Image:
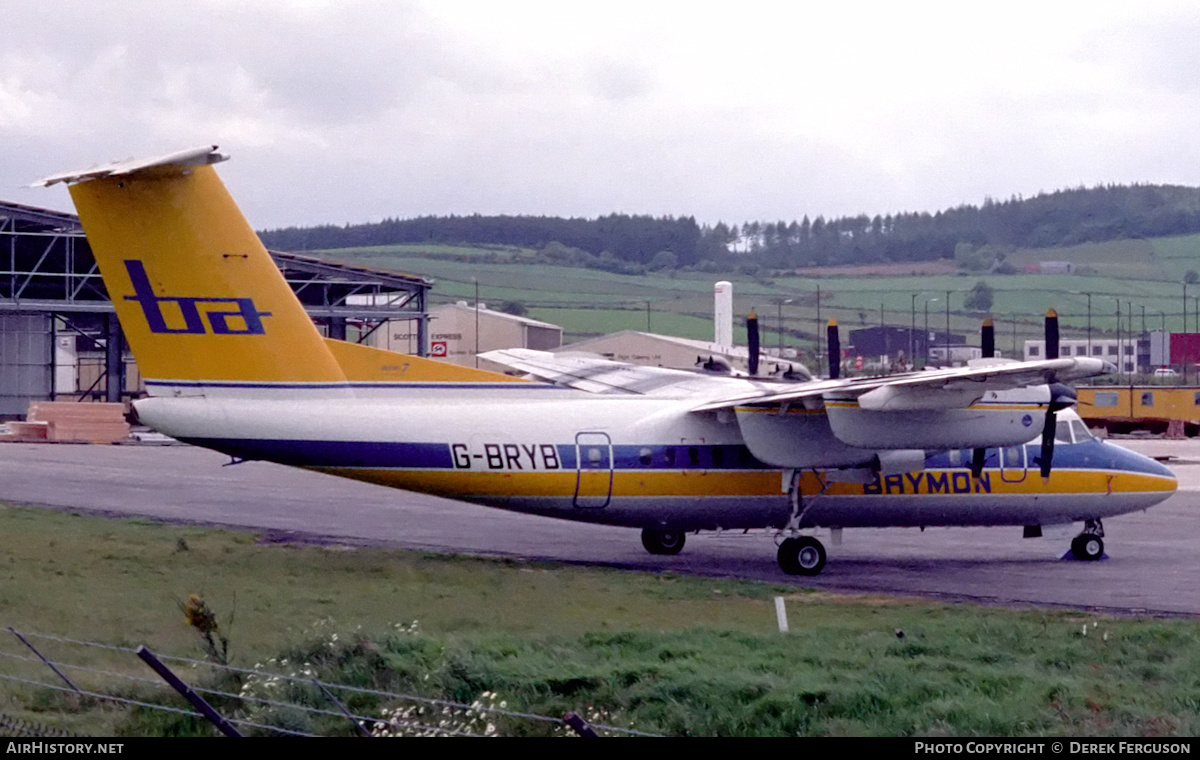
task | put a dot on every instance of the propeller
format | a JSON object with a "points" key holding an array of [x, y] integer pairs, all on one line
{"points": [[835, 350], [1051, 334], [988, 342], [1061, 397], [752, 342]]}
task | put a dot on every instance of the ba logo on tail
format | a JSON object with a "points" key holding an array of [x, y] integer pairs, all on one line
{"points": [[193, 319]]}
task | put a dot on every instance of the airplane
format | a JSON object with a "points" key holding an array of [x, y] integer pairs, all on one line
{"points": [[233, 363]]}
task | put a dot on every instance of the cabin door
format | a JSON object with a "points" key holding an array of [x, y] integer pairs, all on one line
{"points": [[594, 473]]}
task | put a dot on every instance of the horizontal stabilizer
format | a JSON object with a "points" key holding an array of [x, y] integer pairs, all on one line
{"points": [[183, 159]]}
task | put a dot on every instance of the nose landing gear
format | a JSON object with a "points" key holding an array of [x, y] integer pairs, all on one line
{"points": [[1089, 545]]}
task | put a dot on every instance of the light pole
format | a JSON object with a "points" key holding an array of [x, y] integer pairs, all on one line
{"points": [[912, 334], [1120, 366], [781, 303], [1129, 339], [947, 328], [1089, 297], [818, 330], [926, 339]]}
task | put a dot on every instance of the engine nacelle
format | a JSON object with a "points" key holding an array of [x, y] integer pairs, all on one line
{"points": [[996, 419], [796, 438]]}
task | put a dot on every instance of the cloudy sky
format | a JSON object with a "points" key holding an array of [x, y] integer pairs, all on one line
{"points": [[349, 111]]}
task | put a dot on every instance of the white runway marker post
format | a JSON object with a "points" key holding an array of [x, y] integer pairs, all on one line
{"points": [[781, 614]]}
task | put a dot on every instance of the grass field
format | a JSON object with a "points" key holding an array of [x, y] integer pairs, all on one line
{"points": [[659, 653], [1143, 276]]}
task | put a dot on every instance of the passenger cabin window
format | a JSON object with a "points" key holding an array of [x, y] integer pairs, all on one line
{"points": [[645, 456], [718, 457]]}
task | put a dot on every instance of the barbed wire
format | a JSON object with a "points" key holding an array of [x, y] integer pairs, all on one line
{"points": [[306, 680], [148, 705]]}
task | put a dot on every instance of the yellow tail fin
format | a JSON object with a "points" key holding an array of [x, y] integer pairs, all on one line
{"points": [[198, 296]]}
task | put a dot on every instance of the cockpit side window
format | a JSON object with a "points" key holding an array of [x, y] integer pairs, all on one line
{"points": [[1080, 430], [1062, 431]]}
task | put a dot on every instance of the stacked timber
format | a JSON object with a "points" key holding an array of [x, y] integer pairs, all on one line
{"points": [[24, 431], [79, 422]]}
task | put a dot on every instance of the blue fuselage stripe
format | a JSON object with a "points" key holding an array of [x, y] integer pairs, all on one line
{"points": [[1089, 455]]}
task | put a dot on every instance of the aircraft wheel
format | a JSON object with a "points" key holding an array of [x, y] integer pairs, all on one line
{"points": [[1087, 546], [801, 556], [663, 541]]}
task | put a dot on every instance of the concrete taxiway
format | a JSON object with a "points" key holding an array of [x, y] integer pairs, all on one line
{"points": [[1152, 567]]}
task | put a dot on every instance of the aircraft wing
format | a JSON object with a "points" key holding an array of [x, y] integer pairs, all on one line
{"points": [[590, 373], [948, 388]]}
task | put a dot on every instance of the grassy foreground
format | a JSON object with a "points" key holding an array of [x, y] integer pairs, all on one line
{"points": [[658, 653]]}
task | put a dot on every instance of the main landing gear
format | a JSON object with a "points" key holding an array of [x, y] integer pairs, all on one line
{"points": [[1089, 545], [799, 555], [663, 541], [803, 555]]}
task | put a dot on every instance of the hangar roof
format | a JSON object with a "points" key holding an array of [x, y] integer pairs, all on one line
{"points": [[46, 265]]}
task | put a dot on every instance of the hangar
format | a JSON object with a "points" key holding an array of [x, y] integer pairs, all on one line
{"points": [[59, 335]]}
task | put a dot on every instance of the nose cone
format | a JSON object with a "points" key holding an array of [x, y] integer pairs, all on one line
{"points": [[1149, 474]]}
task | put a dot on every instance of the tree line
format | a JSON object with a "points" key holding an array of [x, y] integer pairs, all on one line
{"points": [[1064, 217]]}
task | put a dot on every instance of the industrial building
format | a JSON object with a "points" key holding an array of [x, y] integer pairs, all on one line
{"points": [[459, 331], [59, 335], [884, 344], [653, 350], [1130, 355]]}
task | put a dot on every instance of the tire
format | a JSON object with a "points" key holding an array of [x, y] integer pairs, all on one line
{"points": [[1087, 547], [663, 541], [801, 556]]}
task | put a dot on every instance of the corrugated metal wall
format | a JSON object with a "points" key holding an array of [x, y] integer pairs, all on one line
{"points": [[26, 361]]}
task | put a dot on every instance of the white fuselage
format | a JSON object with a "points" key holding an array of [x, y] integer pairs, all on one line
{"points": [[641, 461]]}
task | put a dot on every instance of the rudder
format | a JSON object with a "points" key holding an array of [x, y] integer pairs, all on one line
{"points": [[197, 294]]}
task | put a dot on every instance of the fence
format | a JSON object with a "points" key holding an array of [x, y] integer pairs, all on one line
{"points": [[267, 702]]}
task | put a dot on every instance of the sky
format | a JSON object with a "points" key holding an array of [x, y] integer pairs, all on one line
{"points": [[347, 111]]}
